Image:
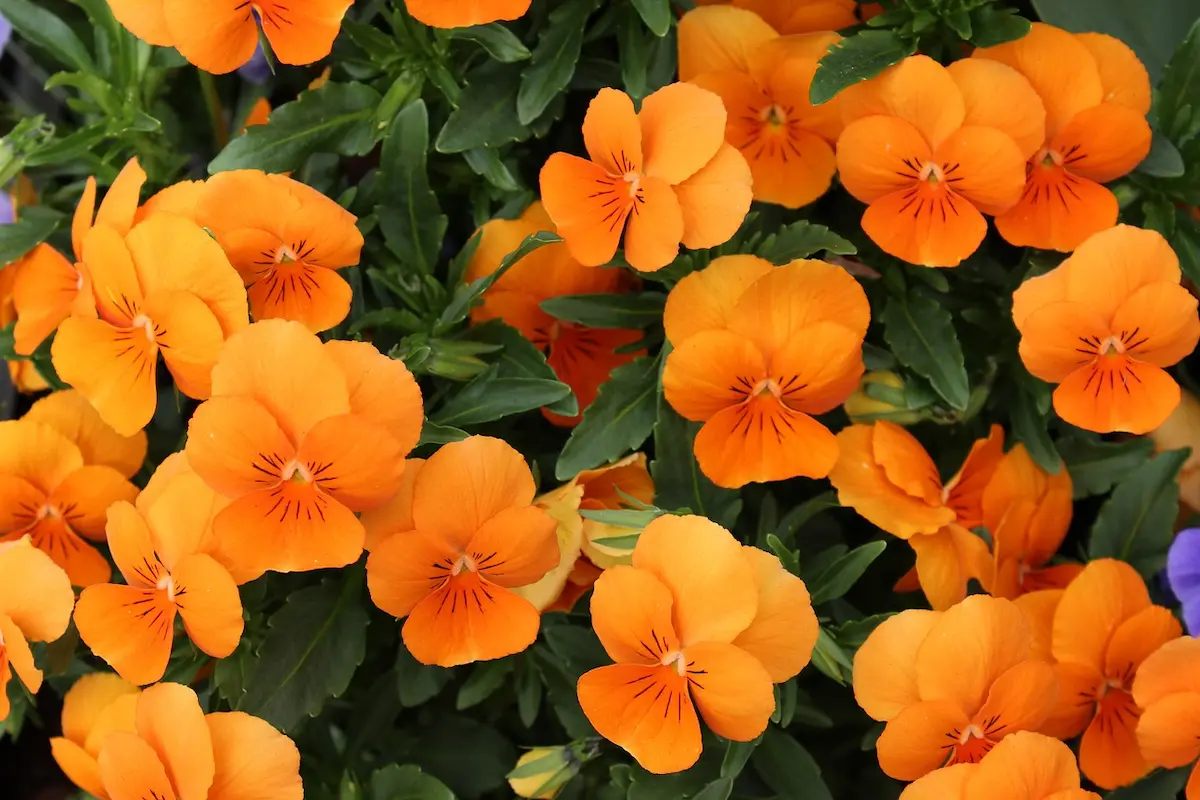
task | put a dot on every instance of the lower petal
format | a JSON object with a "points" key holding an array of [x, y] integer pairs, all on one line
{"points": [[469, 619], [1057, 210], [217, 37], [927, 227], [1078, 686], [1108, 753], [130, 769], [715, 200], [584, 358], [1117, 394], [318, 298], [252, 760], [114, 369], [791, 169], [655, 227], [1019, 700], [190, 338], [82, 562], [129, 628], [208, 601], [731, 689], [647, 711], [762, 440], [302, 38], [920, 739], [589, 207]]}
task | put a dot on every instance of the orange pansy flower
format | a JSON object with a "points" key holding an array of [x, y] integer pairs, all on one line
{"points": [[95, 706], [798, 16], [165, 288], [178, 751], [50, 493], [951, 685], [885, 475], [663, 176], [758, 350], [1104, 628], [464, 13], [928, 148], [475, 537], [287, 241], [763, 80], [582, 357], [1104, 324], [1096, 95], [1180, 430], [698, 622], [35, 605], [1167, 689], [22, 373], [1027, 512], [299, 435], [1025, 766], [222, 36], [69, 413]]}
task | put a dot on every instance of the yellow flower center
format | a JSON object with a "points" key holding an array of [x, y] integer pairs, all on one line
{"points": [[675, 659]]}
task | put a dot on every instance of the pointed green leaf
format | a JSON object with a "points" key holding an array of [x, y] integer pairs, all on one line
{"points": [[855, 59], [1136, 524], [1096, 466], [841, 576], [43, 29], [921, 334], [789, 769], [801, 240], [489, 398], [617, 422], [656, 14], [554, 58], [499, 42], [407, 783], [410, 218], [627, 311]]}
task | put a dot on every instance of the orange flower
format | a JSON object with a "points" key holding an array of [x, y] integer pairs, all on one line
{"points": [[95, 706], [220, 37], [1025, 766], [928, 148], [1167, 689], [757, 351], [582, 357], [951, 685], [475, 537], [799, 16], [35, 605], [1027, 512], [50, 493], [1182, 429], [69, 413], [166, 287], [287, 241], [663, 175], [764, 80], [697, 623], [1104, 628], [300, 435], [1104, 324], [464, 13], [260, 114], [22, 373], [1096, 95], [176, 750]]}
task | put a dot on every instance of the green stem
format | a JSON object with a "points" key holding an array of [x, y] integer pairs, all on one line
{"points": [[216, 115]]}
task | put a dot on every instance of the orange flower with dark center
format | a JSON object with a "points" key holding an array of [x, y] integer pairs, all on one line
{"points": [[582, 357], [951, 685], [798, 16], [475, 537], [1104, 628], [928, 148], [465, 13], [700, 626], [758, 350], [1096, 94], [287, 241], [1167, 689], [35, 606], [763, 80], [1104, 325], [662, 176]]}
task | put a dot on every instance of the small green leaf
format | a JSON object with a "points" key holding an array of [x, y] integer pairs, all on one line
{"points": [[518, 357], [1177, 100], [43, 29], [855, 59], [418, 683], [841, 576], [432, 433], [1164, 159], [498, 41], [18, 238], [465, 296], [920, 332], [622, 518], [852, 634], [487, 111], [678, 481], [1096, 466], [992, 26], [801, 240], [618, 421], [789, 769], [736, 756], [1161, 785], [1137, 522], [489, 398], [554, 59], [410, 218], [337, 118], [720, 789], [487, 677], [634, 47], [627, 311], [656, 14], [407, 783], [1029, 409], [313, 647]]}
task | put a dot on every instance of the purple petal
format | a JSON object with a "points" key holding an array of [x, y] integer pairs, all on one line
{"points": [[1191, 618], [1183, 567], [5, 32], [6, 208], [256, 70]]}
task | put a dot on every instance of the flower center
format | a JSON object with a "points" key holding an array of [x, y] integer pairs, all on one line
{"points": [[465, 562], [145, 323], [285, 255], [168, 583], [767, 385], [1048, 158], [634, 179], [774, 116], [48, 511], [972, 746], [931, 172], [675, 659], [295, 471], [1112, 346]]}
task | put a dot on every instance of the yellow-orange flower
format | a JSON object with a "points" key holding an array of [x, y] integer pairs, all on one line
{"points": [[1167, 689], [97, 704]]}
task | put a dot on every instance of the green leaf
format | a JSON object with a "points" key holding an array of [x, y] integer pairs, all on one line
{"points": [[801, 240], [554, 58], [1136, 524], [678, 481], [28, 232], [736, 756], [43, 29], [470, 757], [991, 26], [1164, 159], [410, 218], [519, 358], [418, 683], [720, 789], [407, 783], [841, 576], [627, 311], [855, 59], [852, 634], [789, 769], [465, 296], [486, 678], [920, 332], [489, 398], [313, 646], [1162, 785], [337, 118], [432, 433], [487, 111], [1096, 466], [1177, 101], [499, 42], [634, 46], [229, 673], [656, 14], [618, 421]]}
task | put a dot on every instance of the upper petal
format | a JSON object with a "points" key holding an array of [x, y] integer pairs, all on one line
{"points": [[34, 592], [683, 127], [1104, 595], [918, 90], [999, 97], [885, 666], [705, 299], [715, 199], [719, 39], [169, 719], [70, 413], [1123, 77], [611, 133]]}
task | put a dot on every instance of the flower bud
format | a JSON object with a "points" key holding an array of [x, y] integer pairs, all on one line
{"points": [[886, 401], [543, 772]]}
